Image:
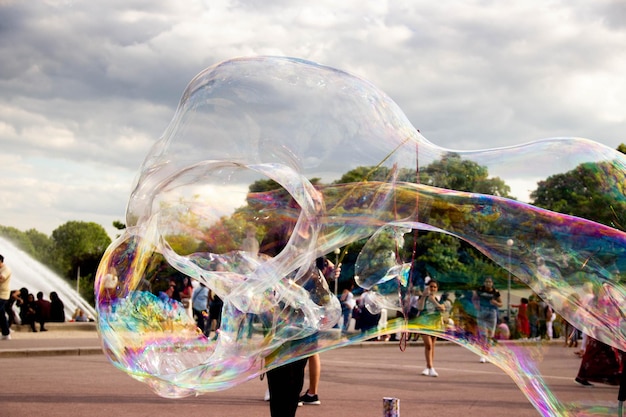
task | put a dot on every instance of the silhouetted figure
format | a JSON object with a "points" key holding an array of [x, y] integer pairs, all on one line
{"points": [[214, 321], [286, 381], [57, 308]]}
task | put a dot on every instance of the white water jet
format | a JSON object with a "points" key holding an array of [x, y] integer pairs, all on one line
{"points": [[33, 275]]}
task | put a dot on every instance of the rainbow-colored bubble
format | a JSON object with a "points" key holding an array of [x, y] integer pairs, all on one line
{"points": [[317, 162]]}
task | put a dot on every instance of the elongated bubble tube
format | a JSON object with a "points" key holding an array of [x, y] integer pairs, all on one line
{"points": [[271, 163]]}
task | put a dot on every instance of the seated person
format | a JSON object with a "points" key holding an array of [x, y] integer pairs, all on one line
{"points": [[79, 315]]}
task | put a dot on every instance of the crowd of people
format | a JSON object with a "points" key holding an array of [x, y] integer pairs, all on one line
{"points": [[34, 310], [22, 307], [476, 314], [536, 320], [200, 303], [472, 314]]}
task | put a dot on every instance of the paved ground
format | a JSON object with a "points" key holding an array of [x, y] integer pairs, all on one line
{"points": [[61, 373]]}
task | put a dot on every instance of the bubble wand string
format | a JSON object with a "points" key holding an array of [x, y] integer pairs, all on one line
{"points": [[406, 308]]}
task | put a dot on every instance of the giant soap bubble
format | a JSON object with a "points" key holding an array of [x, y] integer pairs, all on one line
{"points": [[315, 161]]}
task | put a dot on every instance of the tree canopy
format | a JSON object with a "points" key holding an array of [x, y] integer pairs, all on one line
{"points": [[79, 244], [454, 173], [584, 192]]}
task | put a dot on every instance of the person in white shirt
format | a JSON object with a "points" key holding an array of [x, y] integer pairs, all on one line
{"points": [[5, 294]]}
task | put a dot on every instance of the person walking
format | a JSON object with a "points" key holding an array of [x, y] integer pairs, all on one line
{"points": [[348, 302], [568, 309], [310, 396], [199, 304], [328, 271], [600, 362], [5, 294], [284, 382], [488, 300], [430, 314], [587, 301]]}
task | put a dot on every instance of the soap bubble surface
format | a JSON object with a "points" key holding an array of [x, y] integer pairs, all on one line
{"points": [[318, 162]]}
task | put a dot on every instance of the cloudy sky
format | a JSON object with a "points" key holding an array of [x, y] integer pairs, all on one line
{"points": [[87, 86]]}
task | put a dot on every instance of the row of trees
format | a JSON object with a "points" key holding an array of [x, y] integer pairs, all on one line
{"points": [[78, 246], [579, 192]]}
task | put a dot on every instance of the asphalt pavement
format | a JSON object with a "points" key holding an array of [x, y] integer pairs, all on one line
{"points": [[64, 373]]}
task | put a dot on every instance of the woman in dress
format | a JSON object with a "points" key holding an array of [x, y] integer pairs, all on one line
{"points": [[600, 362], [430, 310], [523, 325]]}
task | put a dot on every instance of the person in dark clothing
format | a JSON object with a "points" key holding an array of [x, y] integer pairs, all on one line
{"points": [[42, 311], [488, 300], [8, 307], [29, 312], [368, 321], [600, 363], [214, 320], [285, 385], [22, 303], [216, 304], [286, 381], [57, 308]]}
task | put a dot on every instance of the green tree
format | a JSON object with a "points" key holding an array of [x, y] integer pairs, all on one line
{"points": [[585, 192], [444, 255], [78, 244], [42, 246], [119, 225], [363, 173], [440, 252], [263, 185], [454, 173], [436, 253], [19, 238]]}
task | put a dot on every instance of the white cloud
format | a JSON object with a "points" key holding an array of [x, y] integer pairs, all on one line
{"points": [[86, 88]]}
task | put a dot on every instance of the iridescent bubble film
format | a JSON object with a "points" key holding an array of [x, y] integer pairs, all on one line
{"points": [[312, 162]]}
